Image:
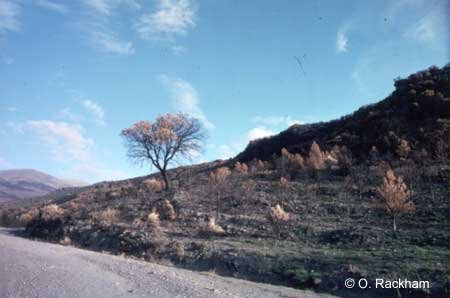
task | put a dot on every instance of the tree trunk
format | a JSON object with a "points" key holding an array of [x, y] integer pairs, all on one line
{"points": [[166, 180]]}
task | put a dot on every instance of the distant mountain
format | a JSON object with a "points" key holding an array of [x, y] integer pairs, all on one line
{"points": [[21, 184]]}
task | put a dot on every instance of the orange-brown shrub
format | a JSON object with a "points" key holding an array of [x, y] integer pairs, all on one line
{"points": [[316, 158], [29, 216], [241, 168], [278, 217], [393, 197], [219, 183], [152, 184], [153, 217], [109, 216], [213, 228], [219, 176], [168, 211], [51, 212]]}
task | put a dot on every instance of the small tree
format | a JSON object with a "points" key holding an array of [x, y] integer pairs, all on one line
{"points": [[168, 138], [218, 181], [393, 197], [241, 168], [248, 187], [315, 162]]}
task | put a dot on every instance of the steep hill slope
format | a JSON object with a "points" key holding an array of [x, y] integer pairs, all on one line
{"points": [[20, 184], [417, 111]]}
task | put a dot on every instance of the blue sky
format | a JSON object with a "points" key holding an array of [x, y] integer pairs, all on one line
{"points": [[74, 73]]}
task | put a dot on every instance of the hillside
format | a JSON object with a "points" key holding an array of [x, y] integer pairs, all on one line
{"points": [[19, 184], [281, 221], [418, 111]]}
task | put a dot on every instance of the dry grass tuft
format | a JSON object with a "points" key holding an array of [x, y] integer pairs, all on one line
{"points": [[213, 228], [66, 241], [152, 184], [51, 212], [277, 214], [29, 216], [168, 211], [153, 217], [110, 215]]}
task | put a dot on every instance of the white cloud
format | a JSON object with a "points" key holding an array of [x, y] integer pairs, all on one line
{"points": [[95, 109], [173, 17], [110, 43], [66, 141], [100, 6], [186, 99], [57, 7], [276, 120], [9, 16], [106, 7], [398, 6], [432, 29], [178, 50], [259, 132], [67, 115], [11, 109], [341, 41], [71, 148]]}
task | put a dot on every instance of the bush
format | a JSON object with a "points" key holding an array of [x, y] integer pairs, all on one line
{"points": [[51, 212], [152, 185], [109, 216], [153, 217], [213, 228]]}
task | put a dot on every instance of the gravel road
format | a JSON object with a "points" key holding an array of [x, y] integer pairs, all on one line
{"points": [[37, 269]]}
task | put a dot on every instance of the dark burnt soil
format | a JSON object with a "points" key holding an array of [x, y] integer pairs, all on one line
{"points": [[333, 232]]}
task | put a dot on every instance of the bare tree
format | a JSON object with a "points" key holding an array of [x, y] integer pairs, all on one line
{"points": [[169, 138]]}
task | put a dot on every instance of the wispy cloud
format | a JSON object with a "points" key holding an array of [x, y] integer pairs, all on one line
{"points": [[342, 43], [68, 115], [95, 110], [258, 133], [68, 145], [66, 141], [432, 29], [110, 43], [106, 7], [173, 17], [186, 99], [11, 109], [56, 7], [9, 16], [100, 6]]}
